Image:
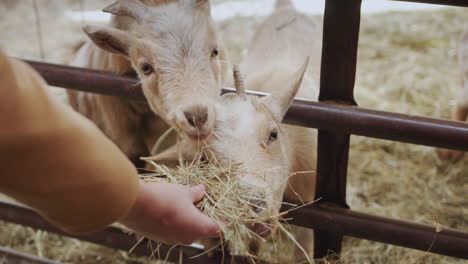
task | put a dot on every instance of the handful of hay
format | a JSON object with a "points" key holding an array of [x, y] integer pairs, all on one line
{"points": [[228, 203]]}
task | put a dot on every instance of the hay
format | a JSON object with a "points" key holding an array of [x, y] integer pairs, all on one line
{"points": [[62, 249], [229, 203]]}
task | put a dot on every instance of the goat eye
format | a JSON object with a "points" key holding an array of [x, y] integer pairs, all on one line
{"points": [[214, 53], [147, 69], [273, 136], [203, 160]]}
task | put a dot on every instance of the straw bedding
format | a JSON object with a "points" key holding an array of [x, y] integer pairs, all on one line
{"points": [[407, 63]]}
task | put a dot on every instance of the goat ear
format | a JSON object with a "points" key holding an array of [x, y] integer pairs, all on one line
{"points": [[131, 8], [279, 101], [110, 39]]}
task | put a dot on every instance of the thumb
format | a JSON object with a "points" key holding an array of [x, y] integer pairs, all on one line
{"points": [[197, 193]]}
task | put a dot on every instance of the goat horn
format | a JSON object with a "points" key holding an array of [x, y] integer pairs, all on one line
{"points": [[131, 8], [238, 81]]}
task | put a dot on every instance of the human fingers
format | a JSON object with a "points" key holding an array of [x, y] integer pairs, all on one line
{"points": [[198, 225], [197, 193]]}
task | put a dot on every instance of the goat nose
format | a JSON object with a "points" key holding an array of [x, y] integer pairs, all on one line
{"points": [[197, 116]]}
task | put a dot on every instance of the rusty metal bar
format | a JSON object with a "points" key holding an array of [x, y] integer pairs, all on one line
{"points": [[379, 124], [462, 3], [9, 256], [338, 71], [111, 237], [87, 80], [328, 217], [320, 217], [327, 116]]}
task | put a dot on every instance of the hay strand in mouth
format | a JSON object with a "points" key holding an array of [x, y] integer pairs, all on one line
{"points": [[160, 140]]}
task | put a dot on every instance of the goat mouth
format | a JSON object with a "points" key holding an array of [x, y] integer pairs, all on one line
{"points": [[261, 229], [199, 136]]}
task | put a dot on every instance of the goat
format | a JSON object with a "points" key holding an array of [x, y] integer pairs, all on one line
{"points": [[175, 50], [248, 130]]}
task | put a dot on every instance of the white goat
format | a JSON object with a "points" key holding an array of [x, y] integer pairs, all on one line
{"points": [[174, 48], [248, 130]]}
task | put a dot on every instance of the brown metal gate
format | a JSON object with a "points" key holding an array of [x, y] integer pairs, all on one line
{"points": [[337, 117]]}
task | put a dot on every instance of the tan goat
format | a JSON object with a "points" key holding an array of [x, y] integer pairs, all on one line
{"points": [[248, 130], [461, 110], [174, 48]]}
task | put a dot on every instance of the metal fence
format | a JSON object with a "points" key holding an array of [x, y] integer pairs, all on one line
{"points": [[336, 116]]}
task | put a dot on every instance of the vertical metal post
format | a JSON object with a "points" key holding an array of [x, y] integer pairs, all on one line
{"points": [[338, 70]]}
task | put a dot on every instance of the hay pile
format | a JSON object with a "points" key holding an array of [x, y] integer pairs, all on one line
{"points": [[229, 203], [62, 249]]}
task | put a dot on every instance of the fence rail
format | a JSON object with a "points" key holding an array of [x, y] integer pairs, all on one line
{"points": [[461, 3], [10, 256], [324, 217], [111, 237], [329, 116]]}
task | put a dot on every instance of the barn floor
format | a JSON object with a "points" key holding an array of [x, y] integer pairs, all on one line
{"points": [[407, 63]]}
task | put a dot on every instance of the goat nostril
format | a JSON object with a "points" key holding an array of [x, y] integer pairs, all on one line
{"points": [[197, 117], [203, 117], [190, 118]]}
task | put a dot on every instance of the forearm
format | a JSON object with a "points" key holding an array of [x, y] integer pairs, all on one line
{"points": [[56, 161]]}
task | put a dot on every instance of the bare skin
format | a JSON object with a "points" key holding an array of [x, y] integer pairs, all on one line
{"points": [[166, 213]]}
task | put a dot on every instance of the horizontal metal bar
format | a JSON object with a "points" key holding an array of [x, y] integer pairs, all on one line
{"points": [[87, 80], [9, 256], [111, 237], [462, 3], [321, 217], [379, 124], [407, 234], [327, 116]]}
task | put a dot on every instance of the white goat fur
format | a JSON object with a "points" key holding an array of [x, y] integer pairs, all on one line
{"points": [[280, 45], [177, 40]]}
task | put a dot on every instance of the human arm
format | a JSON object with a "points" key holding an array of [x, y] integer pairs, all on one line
{"points": [[57, 162]]}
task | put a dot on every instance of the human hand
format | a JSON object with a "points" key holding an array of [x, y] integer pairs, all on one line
{"points": [[166, 213]]}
